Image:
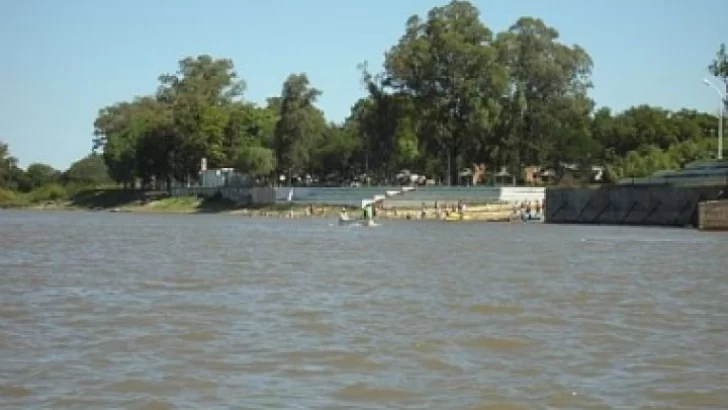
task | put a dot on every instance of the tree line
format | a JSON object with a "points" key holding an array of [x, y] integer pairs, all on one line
{"points": [[42, 182], [451, 93]]}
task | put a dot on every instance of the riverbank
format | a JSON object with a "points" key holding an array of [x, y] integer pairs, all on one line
{"points": [[129, 201], [485, 213]]}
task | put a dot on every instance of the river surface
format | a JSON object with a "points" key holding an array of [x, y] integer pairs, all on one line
{"points": [[130, 311]]}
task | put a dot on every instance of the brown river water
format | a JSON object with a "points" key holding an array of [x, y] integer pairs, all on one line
{"points": [[131, 311]]}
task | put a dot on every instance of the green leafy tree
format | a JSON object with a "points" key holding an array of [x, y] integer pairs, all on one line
{"points": [[447, 64], [719, 68], [450, 93], [8, 164], [198, 95], [248, 123], [387, 127], [407, 143], [333, 159], [299, 127], [12, 177], [38, 174], [90, 170], [547, 104], [255, 160]]}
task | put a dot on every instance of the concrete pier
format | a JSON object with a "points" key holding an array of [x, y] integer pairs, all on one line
{"points": [[656, 205], [713, 215]]}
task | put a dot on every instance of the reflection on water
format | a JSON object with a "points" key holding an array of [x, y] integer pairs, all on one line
{"points": [[162, 311]]}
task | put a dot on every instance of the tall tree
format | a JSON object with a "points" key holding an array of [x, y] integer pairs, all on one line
{"points": [[332, 160], [255, 160], [8, 166], [88, 170], [719, 68], [387, 127], [38, 174], [248, 123], [451, 93], [299, 125], [448, 65], [199, 94], [548, 106], [137, 139]]}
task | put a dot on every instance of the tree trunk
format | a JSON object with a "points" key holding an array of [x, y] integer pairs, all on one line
{"points": [[452, 166]]}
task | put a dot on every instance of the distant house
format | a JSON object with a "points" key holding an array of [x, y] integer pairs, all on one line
{"points": [[215, 178], [503, 177], [532, 175], [220, 177], [407, 177], [594, 173]]}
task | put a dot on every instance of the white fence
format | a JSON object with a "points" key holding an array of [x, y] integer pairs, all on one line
{"points": [[240, 195], [353, 196], [521, 194], [444, 195]]}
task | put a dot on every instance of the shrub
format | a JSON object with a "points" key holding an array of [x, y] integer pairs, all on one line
{"points": [[10, 198], [50, 192]]}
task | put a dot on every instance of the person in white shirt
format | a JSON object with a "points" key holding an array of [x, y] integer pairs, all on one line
{"points": [[343, 215]]}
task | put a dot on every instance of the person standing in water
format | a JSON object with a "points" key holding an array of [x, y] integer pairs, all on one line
{"points": [[368, 211]]}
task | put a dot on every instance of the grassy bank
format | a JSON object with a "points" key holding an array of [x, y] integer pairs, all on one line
{"points": [[44, 194], [120, 200], [109, 199]]}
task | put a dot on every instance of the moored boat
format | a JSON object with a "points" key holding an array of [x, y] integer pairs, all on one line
{"points": [[346, 222]]}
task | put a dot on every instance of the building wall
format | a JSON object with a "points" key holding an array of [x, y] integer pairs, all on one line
{"points": [[214, 178]]}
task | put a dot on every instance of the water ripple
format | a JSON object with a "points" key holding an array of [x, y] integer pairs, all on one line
{"points": [[166, 311]]}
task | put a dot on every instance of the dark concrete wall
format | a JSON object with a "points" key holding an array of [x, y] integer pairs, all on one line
{"points": [[660, 205]]}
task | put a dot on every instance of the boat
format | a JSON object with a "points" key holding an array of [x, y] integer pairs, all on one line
{"points": [[533, 220], [357, 222], [457, 218], [528, 218], [347, 222]]}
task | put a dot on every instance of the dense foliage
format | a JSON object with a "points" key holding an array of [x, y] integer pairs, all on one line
{"points": [[451, 94], [41, 182]]}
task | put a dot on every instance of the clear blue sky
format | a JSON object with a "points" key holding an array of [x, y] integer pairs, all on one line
{"points": [[63, 60]]}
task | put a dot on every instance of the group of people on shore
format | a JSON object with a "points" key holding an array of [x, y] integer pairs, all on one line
{"points": [[528, 211], [445, 212], [440, 211], [524, 210]]}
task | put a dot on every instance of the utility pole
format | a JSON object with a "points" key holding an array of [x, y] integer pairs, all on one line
{"points": [[721, 110]]}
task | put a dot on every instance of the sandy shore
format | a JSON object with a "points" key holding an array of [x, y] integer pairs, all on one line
{"points": [[485, 213]]}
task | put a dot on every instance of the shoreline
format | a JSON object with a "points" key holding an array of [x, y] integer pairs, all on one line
{"points": [[475, 213]]}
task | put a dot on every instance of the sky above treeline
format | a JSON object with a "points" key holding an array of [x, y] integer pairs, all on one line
{"points": [[63, 61]]}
